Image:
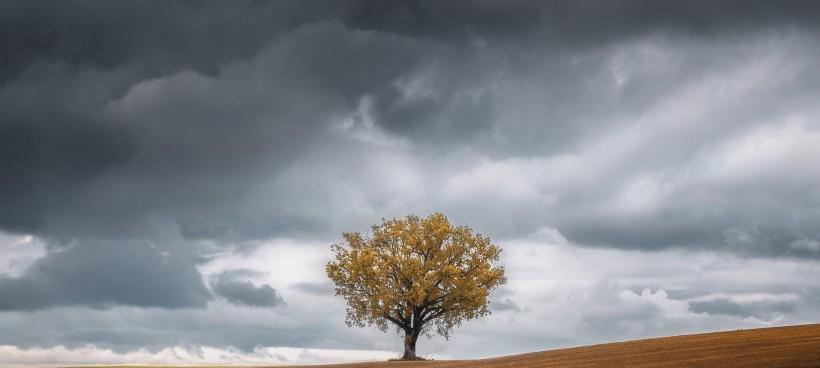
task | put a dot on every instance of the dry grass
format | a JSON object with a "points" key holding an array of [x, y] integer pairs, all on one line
{"points": [[786, 347]]}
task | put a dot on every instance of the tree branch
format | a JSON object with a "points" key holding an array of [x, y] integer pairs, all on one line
{"points": [[397, 322], [433, 316]]}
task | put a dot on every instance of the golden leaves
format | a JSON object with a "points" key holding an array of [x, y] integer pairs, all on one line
{"points": [[413, 270]]}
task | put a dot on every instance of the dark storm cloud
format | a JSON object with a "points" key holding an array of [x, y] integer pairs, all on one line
{"points": [[235, 287], [186, 117], [570, 22], [38, 153], [154, 37], [240, 121], [187, 145], [550, 44], [103, 274], [109, 129]]}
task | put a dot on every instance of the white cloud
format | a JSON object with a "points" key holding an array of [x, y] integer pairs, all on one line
{"points": [[60, 356]]}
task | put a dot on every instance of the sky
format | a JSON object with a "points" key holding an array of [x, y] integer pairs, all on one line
{"points": [[172, 174]]}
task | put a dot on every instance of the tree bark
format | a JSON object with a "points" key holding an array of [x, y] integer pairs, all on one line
{"points": [[410, 345]]}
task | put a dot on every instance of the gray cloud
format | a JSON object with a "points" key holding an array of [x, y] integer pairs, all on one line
{"points": [[506, 305], [106, 273], [765, 310], [314, 288], [235, 287], [503, 301]]}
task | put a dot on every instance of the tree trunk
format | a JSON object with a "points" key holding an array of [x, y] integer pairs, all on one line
{"points": [[410, 346]]}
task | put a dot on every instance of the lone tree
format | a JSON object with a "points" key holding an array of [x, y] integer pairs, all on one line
{"points": [[416, 273]]}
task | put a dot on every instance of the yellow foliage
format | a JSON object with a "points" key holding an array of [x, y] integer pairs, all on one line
{"points": [[416, 272]]}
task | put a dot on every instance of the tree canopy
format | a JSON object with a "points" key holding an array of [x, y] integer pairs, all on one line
{"points": [[422, 275]]}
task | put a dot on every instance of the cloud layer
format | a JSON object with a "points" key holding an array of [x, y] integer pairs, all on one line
{"points": [[146, 149], [563, 295]]}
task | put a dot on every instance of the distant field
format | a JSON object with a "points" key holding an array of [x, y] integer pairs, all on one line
{"points": [[792, 347]]}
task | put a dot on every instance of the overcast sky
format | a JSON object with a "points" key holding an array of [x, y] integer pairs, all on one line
{"points": [[173, 173]]}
